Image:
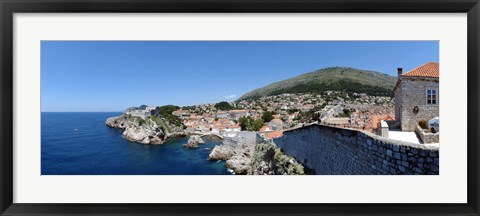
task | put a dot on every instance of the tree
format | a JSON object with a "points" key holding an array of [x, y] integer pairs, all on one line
{"points": [[250, 124], [166, 112], [168, 109], [244, 122], [346, 85], [257, 124], [346, 113], [291, 111], [223, 105], [267, 116], [188, 107]]}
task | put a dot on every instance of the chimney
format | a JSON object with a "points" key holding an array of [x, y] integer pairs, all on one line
{"points": [[400, 71]]}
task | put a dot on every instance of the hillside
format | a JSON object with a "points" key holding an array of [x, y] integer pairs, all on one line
{"points": [[333, 78]]}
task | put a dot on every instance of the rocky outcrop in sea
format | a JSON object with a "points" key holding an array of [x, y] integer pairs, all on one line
{"points": [[152, 130], [248, 154], [221, 152], [236, 151], [193, 141]]}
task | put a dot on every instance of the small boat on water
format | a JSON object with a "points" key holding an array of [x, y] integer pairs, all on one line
{"points": [[231, 171]]}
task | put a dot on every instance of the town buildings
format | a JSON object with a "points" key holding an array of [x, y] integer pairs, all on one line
{"points": [[416, 99]]}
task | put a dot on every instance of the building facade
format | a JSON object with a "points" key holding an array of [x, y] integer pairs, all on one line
{"points": [[417, 95]]}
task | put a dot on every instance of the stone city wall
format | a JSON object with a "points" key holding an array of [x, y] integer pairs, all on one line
{"points": [[339, 151], [243, 138]]}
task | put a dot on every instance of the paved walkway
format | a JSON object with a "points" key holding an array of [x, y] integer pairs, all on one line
{"points": [[403, 136]]}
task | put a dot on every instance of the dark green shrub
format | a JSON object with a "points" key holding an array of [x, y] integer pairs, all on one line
{"points": [[223, 105], [141, 121]]}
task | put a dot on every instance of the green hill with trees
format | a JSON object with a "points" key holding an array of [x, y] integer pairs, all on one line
{"points": [[345, 79]]}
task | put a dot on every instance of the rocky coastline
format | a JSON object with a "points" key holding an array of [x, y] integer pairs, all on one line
{"points": [[151, 130], [249, 154], [246, 153], [236, 151]]}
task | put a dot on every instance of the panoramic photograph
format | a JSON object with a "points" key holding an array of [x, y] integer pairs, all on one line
{"points": [[240, 108]]}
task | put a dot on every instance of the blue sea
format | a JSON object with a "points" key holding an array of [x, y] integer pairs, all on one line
{"points": [[81, 144]]}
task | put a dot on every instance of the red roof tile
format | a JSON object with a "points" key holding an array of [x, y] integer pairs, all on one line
{"points": [[377, 118], [273, 134], [264, 128], [429, 69], [236, 111], [277, 121]]}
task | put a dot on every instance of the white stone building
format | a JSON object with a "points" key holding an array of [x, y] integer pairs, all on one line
{"points": [[139, 113]]}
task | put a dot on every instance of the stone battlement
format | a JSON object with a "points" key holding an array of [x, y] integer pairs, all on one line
{"points": [[330, 150]]}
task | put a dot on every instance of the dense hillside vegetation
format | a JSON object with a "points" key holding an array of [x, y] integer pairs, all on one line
{"points": [[334, 78]]}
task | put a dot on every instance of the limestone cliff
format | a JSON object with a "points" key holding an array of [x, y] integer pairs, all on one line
{"points": [[220, 152], [237, 158], [268, 159], [152, 130], [247, 154], [236, 151]]}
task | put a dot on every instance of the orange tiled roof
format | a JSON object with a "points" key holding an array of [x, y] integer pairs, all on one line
{"points": [[277, 121], [264, 128], [377, 118], [273, 134], [234, 126], [429, 69], [235, 111]]}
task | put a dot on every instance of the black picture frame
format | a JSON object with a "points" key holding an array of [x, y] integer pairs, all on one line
{"points": [[9, 7]]}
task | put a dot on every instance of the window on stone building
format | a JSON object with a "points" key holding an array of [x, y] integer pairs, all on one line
{"points": [[432, 96]]}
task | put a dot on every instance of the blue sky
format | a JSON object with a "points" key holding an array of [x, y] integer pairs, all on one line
{"points": [[114, 75]]}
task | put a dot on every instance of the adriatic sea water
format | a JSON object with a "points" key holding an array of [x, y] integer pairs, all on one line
{"points": [[81, 144]]}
